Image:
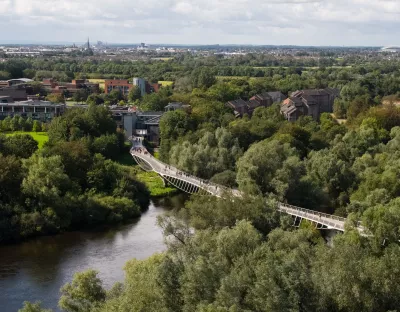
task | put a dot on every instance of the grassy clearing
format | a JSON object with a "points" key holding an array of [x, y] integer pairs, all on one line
{"points": [[155, 184], [151, 179], [166, 83], [40, 137]]}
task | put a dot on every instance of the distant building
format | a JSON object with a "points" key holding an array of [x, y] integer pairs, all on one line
{"points": [[125, 86], [264, 99], [35, 109], [309, 103], [17, 92], [141, 83], [118, 84], [71, 88]]}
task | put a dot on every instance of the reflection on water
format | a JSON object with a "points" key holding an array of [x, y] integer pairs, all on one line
{"points": [[35, 270]]}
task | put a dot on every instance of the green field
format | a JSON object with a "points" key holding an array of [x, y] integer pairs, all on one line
{"points": [[155, 184], [166, 83], [40, 137]]}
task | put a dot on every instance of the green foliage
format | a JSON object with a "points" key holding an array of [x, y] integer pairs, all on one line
{"points": [[211, 154], [33, 307], [83, 293]]}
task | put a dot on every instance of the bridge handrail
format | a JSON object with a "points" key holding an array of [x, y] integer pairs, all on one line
{"points": [[312, 212], [206, 182]]}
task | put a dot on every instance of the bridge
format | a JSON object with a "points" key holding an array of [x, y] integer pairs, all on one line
{"points": [[191, 185]]}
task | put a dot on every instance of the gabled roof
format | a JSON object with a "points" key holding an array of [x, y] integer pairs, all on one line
{"points": [[237, 103]]}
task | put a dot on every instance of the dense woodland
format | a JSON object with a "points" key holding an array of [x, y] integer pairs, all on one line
{"points": [[242, 254], [71, 183]]}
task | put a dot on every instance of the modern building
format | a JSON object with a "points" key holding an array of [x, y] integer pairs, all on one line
{"points": [[133, 122], [35, 109], [125, 86], [144, 124], [118, 84], [141, 83], [312, 103]]}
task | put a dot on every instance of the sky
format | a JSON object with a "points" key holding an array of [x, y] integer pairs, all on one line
{"points": [[259, 22]]}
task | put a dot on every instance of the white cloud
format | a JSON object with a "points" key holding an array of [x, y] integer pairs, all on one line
{"points": [[306, 22]]}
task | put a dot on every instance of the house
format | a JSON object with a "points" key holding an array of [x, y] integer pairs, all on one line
{"points": [[264, 99], [277, 96], [312, 103], [239, 107]]}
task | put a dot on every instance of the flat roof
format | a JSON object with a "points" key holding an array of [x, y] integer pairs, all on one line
{"points": [[32, 103]]}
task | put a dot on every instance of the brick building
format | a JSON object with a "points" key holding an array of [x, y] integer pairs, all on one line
{"points": [[71, 88], [312, 103]]}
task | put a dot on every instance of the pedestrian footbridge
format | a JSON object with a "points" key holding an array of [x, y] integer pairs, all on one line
{"points": [[191, 184]]}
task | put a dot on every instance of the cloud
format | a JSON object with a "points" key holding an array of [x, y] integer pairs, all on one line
{"points": [[306, 22]]}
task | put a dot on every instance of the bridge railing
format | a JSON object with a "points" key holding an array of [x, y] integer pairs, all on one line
{"points": [[320, 214], [313, 212], [186, 175]]}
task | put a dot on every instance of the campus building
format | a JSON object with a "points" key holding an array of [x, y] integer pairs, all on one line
{"points": [[35, 109], [69, 89], [125, 86]]}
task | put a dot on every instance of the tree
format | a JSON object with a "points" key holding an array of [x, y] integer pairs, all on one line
{"points": [[56, 98], [20, 145], [134, 94], [36, 127], [107, 145], [258, 166], [33, 307], [45, 179], [81, 95], [83, 293]]}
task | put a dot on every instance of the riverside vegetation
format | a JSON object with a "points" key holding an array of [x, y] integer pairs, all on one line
{"points": [[243, 255], [72, 182]]}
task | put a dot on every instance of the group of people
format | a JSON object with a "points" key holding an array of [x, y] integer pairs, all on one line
{"points": [[140, 150]]}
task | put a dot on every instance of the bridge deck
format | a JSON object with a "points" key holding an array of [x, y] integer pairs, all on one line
{"points": [[168, 172]]}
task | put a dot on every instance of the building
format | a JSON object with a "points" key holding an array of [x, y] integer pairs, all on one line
{"points": [[133, 122], [125, 86], [69, 89], [35, 109], [264, 99], [312, 103], [14, 82], [141, 83], [118, 84], [17, 92]]}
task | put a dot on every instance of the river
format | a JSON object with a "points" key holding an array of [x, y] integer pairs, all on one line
{"points": [[36, 269]]}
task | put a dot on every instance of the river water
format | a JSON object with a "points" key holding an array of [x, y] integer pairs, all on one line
{"points": [[35, 270]]}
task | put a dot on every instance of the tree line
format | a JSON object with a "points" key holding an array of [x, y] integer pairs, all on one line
{"points": [[72, 182]]}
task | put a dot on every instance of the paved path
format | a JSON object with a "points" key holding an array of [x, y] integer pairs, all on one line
{"points": [[192, 184]]}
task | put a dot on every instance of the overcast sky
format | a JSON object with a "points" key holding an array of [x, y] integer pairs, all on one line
{"points": [[277, 22]]}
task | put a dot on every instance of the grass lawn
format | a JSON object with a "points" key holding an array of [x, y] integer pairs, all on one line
{"points": [[166, 83], [40, 137], [151, 179]]}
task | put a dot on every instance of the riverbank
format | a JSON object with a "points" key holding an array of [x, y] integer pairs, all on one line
{"points": [[36, 269], [152, 180]]}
